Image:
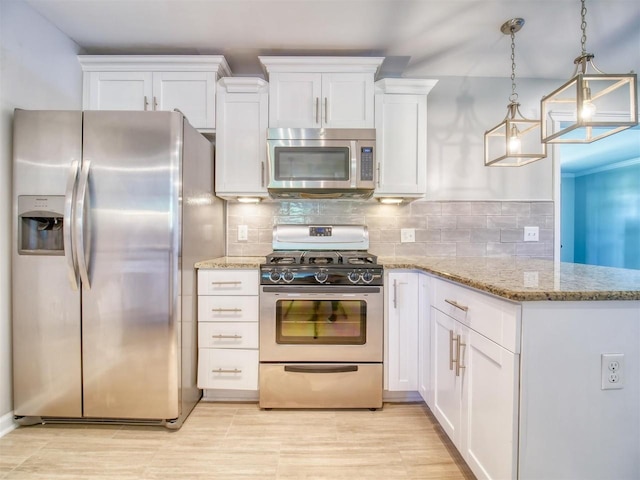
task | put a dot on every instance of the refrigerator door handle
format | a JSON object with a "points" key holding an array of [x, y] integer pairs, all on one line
{"points": [[78, 240], [72, 266]]}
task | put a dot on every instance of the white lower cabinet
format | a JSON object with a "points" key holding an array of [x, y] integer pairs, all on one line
{"points": [[402, 297], [475, 384], [228, 329]]}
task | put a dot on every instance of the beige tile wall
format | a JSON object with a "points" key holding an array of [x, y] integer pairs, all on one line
{"points": [[463, 229]]}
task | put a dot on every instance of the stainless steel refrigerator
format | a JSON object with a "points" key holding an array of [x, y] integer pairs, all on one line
{"points": [[111, 211]]}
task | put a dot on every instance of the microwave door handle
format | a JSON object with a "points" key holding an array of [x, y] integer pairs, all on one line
{"points": [[355, 157]]}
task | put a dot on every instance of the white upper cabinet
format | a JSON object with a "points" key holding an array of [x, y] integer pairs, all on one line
{"points": [[166, 83], [241, 140], [401, 136], [321, 92]]}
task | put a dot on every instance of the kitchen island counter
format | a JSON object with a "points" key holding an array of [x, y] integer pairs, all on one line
{"points": [[523, 280]]}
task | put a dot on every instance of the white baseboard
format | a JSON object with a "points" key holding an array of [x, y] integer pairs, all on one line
{"points": [[7, 424]]}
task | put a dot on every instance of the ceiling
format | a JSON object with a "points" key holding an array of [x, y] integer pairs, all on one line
{"points": [[419, 38]]}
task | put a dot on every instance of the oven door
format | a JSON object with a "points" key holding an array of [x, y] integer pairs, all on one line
{"points": [[321, 324]]}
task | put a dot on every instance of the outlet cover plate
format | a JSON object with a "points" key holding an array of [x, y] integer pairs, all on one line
{"points": [[531, 234], [612, 371], [407, 235]]}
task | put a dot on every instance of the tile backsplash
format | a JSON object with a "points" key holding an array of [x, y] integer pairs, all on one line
{"points": [[461, 228]]}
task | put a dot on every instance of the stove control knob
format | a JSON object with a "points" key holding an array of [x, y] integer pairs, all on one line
{"points": [[288, 276], [322, 276], [274, 276], [367, 277], [353, 277]]}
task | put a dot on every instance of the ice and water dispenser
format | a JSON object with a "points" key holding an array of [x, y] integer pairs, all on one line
{"points": [[40, 222]]}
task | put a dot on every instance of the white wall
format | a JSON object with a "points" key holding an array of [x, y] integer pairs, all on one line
{"points": [[460, 110], [38, 70]]}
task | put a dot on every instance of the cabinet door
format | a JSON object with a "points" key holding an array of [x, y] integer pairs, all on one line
{"points": [[402, 315], [118, 91], [446, 385], [241, 147], [424, 340], [193, 93], [401, 145], [489, 401], [294, 100], [347, 100]]}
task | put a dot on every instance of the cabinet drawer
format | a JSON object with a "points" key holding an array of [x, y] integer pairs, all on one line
{"points": [[227, 335], [228, 282], [496, 319], [228, 369], [215, 308]]}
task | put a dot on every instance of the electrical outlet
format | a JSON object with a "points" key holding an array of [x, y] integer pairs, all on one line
{"points": [[407, 235], [531, 234], [243, 233], [612, 371]]}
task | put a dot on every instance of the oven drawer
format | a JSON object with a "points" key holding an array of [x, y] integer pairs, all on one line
{"points": [[228, 282], [227, 309], [228, 369], [228, 335], [321, 385]]}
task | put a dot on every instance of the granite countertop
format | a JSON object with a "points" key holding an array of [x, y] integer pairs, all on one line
{"points": [[512, 278], [231, 262], [528, 279]]}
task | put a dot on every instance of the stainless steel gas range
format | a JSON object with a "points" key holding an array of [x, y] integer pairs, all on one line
{"points": [[321, 319]]}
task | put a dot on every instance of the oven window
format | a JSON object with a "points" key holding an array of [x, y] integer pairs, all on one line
{"points": [[313, 322], [311, 163]]}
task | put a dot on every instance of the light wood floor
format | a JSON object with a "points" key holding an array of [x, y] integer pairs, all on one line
{"points": [[239, 441]]}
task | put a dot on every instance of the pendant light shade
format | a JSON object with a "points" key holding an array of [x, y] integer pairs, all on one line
{"points": [[591, 105], [516, 140]]}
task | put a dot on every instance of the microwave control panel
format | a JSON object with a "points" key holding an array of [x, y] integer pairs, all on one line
{"points": [[366, 164]]}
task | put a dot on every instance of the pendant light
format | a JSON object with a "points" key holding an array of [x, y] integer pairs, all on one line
{"points": [[590, 106], [516, 140]]}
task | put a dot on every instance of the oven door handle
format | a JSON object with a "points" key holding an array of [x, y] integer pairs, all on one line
{"points": [[321, 369], [321, 289]]}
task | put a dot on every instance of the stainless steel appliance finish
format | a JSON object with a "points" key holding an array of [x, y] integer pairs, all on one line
{"points": [[321, 163], [321, 321], [103, 329]]}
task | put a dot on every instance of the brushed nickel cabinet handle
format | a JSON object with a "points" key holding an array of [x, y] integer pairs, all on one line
{"points": [[326, 109], [262, 174], [378, 175], [456, 304], [317, 109], [220, 310], [146, 103], [395, 293], [459, 365], [155, 103], [227, 283], [220, 336], [221, 370], [452, 339]]}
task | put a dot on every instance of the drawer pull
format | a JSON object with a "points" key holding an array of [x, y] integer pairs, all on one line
{"points": [[456, 304], [220, 310], [459, 365], [236, 282], [321, 369], [220, 336], [221, 370]]}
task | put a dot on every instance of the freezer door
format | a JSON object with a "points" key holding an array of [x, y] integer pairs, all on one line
{"points": [[130, 240], [47, 379]]}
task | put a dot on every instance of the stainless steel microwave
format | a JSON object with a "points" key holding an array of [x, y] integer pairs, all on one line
{"points": [[321, 162]]}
